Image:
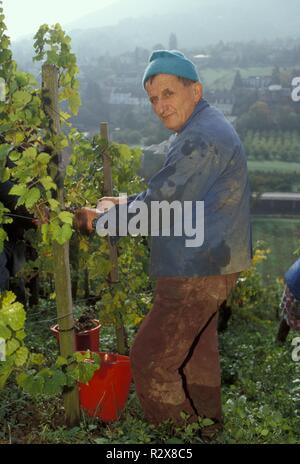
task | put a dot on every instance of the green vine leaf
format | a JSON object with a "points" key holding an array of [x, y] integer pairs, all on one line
{"points": [[61, 361], [5, 332], [48, 184], [11, 346], [6, 369], [32, 197], [37, 358], [21, 356], [21, 98], [32, 384], [19, 190], [66, 217], [43, 158], [55, 380], [12, 313]]}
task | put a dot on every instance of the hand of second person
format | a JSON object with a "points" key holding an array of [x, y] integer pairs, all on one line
{"points": [[105, 203]]}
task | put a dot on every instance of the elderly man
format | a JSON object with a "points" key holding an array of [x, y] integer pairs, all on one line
{"points": [[175, 359]]}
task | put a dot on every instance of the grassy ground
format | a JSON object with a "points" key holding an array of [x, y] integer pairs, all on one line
{"points": [[261, 399], [215, 78]]}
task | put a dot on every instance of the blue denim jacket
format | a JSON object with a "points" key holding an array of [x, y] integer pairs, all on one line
{"points": [[292, 278], [206, 162]]}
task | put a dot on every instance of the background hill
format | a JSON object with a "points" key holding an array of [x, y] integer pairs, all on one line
{"points": [[125, 24]]}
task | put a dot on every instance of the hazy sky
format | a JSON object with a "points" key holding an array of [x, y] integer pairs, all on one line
{"points": [[25, 16]]}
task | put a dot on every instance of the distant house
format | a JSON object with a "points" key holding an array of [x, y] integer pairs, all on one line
{"points": [[275, 94], [128, 78], [201, 59], [219, 97], [257, 82], [120, 98]]}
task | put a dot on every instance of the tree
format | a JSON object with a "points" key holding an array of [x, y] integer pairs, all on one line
{"points": [[258, 118], [238, 81], [173, 42], [158, 46], [276, 78]]}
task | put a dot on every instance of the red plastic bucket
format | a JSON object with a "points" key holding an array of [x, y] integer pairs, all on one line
{"points": [[87, 340], [106, 394]]}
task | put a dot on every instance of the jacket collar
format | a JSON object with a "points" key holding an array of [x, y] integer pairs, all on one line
{"points": [[201, 105]]}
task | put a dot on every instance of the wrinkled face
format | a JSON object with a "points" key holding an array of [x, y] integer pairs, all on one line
{"points": [[172, 101]]}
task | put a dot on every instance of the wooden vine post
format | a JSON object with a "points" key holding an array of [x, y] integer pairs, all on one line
{"points": [[113, 252], [62, 276]]}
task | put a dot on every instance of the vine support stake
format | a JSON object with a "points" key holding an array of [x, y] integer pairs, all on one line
{"points": [[61, 262], [113, 252]]}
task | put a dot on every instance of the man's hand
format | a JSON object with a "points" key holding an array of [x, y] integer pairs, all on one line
{"points": [[105, 203], [83, 219]]}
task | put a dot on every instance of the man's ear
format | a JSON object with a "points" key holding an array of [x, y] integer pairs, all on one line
{"points": [[198, 91]]}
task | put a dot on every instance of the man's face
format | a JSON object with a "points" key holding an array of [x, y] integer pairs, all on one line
{"points": [[172, 101]]}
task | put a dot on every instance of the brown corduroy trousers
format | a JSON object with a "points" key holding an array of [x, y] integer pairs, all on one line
{"points": [[175, 355]]}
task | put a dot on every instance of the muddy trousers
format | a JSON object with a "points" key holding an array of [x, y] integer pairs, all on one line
{"points": [[175, 355]]}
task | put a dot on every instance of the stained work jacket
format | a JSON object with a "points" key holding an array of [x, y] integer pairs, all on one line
{"points": [[205, 162]]}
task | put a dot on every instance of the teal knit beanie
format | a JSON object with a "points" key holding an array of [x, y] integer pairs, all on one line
{"points": [[170, 62]]}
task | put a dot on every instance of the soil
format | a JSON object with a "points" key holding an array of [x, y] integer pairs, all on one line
{"points": [[84, 323]]}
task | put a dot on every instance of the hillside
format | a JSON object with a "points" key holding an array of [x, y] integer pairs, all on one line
{"points": [[126, 24], [195, 22]]}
